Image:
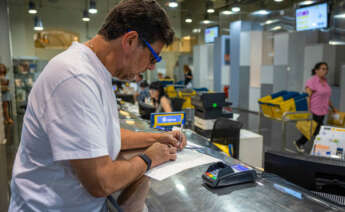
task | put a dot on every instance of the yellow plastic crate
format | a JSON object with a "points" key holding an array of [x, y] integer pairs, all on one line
{"points": [[280, 107], [266, 105], [298, 116], [170, 91]]}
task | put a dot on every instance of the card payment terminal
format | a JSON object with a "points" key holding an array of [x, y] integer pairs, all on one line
{"points": [[221, 175]]}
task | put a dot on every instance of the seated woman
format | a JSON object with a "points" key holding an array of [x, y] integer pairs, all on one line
{"points": [[160, 101]]}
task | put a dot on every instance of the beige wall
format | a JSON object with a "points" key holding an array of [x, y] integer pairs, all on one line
{"points": [[65, 15]]}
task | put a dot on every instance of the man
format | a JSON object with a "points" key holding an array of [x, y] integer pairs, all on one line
{"points": [[67, 158]]}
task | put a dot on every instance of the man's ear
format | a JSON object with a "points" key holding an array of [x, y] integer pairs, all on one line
{"points": [[130, 41]]}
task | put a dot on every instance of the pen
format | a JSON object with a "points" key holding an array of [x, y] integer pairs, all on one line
{"points": [[181, 128]]}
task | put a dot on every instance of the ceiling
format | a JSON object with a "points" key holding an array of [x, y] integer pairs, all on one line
{"points": [[283, 11]]}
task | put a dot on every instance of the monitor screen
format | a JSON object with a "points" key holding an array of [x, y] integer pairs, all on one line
{"points": [[210, 34], [313, 17]]}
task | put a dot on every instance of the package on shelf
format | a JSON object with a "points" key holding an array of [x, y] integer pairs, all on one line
{"points": [[328, 141]]}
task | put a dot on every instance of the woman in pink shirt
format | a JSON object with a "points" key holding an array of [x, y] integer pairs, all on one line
{"points": [[319, 99]]}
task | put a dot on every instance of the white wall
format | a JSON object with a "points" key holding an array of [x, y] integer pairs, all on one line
{"points": [[203, 66]]}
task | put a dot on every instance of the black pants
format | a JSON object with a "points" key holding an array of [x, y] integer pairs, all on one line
{"points": [[319, 120]]}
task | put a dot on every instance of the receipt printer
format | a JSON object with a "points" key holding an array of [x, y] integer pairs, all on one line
{"points": [[221, 175]]}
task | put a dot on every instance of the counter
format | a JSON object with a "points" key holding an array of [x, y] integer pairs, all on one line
{"points": [[185, 191]]}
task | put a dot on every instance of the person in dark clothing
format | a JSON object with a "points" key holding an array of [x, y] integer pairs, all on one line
{"points": [[188, 76]]}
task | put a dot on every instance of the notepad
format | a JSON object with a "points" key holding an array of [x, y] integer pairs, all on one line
{"points": [[186, 159]]}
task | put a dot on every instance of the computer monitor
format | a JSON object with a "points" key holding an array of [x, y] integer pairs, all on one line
{"points": [[312, 17], [317, 174], [145, 110], [211, 33]]}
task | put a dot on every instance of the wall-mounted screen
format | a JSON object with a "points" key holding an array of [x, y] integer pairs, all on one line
{"points": [[211, 33], [312, 17]]}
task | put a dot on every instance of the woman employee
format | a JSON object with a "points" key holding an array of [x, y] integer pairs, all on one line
{"points": [[319, 102], [160, 101]]}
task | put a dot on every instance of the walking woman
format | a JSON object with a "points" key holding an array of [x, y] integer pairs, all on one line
{"points": [[319, 94]]}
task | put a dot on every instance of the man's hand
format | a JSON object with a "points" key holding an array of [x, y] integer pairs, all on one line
{"points": [[174, 138], [160, 153]]}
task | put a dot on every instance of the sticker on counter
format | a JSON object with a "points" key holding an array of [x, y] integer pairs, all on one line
{"points": [[289, 191]]}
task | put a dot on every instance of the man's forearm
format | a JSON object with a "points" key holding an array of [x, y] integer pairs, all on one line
{"points": [[107, 176], [137, 140], [116, 180]]}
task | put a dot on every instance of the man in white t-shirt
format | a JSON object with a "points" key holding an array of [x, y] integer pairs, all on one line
{"points": [[71, 138]]}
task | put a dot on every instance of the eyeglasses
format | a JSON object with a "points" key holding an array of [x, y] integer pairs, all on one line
{"points": [[156, 58]]}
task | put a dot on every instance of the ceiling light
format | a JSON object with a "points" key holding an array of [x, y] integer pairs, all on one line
{"points": [[341, 15], [38, 24], [188, 20], [261, 12], [32, 8], [209, 7], [303, 3], [206, 21], [336, 42], [92, 8], [173, 4], [276, 28], [86, 17], [197, 30], [272, 21], [278, 0], [236, 9], [210, 10], [226, 12]]}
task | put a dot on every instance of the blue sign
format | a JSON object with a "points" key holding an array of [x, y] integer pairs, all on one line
{"points": [[159, 120]]}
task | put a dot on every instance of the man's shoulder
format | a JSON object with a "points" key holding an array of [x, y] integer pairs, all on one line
{"points": [[72, 60]]}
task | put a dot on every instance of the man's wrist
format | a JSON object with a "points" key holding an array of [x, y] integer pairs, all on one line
{"points": [[147, 160], [156, 137]]}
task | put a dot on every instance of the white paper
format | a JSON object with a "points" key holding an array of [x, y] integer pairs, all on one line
{"points": [[186, 159]]}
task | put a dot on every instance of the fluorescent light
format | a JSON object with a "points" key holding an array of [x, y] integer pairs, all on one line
{"points": [[341, 15], [278, 0], [276, 28], [188, 20], [210, 10], [32, 8], [206, 21], [38, 24], [85, 17], [209, 7], [93, 11], [32, 11], [336, 43], [261, 12], [196, 30], [92, 8], [272, 21], [226, 12], [172, 4], [303, 3], [38, 28], [236, 9]]}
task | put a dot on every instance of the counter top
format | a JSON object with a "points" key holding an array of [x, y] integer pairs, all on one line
{"points": [[185, 191]]}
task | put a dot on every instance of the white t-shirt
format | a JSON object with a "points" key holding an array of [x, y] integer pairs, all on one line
{"points": [[71, 114]]}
